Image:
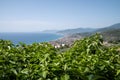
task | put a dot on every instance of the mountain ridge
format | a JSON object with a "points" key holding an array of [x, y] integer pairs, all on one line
{"points": [[76, 30], [109, 33], [89, 30], [111, 27]]}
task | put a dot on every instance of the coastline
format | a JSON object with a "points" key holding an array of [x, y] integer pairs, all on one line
{"points": [[29, 38]]}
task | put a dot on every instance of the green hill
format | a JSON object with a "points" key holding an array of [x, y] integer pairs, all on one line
{"points": [[110, 33], [109, 28]]}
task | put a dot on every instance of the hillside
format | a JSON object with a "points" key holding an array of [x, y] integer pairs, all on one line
{"points": [[110, 34], [109, 28]]}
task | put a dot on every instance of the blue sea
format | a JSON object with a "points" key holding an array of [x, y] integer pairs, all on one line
{"points": [[29, 38]]}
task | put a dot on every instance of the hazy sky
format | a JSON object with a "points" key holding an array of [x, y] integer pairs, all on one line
{"points": [[38, 15]]}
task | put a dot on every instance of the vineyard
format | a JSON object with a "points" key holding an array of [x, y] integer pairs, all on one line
{"points": [[87, 59]]}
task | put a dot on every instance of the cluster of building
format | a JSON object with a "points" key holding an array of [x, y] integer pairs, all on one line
{"points": [[57, 45], [66, 41]]}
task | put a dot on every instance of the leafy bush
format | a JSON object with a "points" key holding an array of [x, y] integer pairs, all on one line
{"points": [[87, 59]]}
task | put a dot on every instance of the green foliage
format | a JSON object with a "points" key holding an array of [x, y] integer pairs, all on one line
{"points": [[87, 59]]}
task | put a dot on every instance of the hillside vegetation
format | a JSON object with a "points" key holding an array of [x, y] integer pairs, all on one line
{"points": [[110, 34], [87, 59], [108, 28]]}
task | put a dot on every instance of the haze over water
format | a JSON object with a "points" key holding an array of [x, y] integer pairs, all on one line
{"points": [[29, 38]]}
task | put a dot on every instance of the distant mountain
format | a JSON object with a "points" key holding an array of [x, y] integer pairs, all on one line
{"points": [[109, 28], [77, 30], [111, 33], [50, 31]]}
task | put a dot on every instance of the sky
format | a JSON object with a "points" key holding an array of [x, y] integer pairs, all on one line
{"points": [[38, 15]]}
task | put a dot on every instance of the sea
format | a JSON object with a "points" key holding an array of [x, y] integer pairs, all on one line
{"points": [[29, 38]]}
